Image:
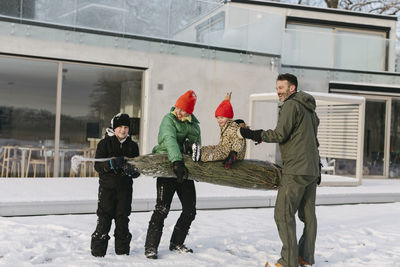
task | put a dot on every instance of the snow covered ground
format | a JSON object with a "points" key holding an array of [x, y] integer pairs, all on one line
{"points": [[41, 196], [348, 235]]}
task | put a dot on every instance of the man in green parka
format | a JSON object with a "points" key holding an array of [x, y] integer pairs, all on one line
{"points": [[296, 133], [176, 127]]}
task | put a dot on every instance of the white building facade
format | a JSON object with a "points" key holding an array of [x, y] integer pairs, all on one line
{"points": [[66, 67]]}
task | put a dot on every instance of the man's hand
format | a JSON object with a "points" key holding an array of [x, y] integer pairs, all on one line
{"points": [[117, 163], [130, 170], [180, 170], [250, 134], [230, 159]]}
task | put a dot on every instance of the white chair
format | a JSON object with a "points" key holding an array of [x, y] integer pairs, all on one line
{"points": [[328, 166]]}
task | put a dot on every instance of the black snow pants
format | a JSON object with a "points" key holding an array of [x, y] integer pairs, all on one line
{"points": [[112, 204], [166, 188]]}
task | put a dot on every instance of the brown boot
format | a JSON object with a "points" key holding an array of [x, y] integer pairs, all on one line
{"points": [[302, 262], [276, 264]]}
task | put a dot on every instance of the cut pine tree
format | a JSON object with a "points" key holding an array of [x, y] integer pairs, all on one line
{"points": [[249, 174]]}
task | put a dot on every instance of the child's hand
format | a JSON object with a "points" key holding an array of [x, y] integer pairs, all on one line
{"points": [[130, 170], [117, 163], [230, 160]]}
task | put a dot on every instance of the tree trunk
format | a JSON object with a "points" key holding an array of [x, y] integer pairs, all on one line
{"points": [[250, 174], [332, 3]]}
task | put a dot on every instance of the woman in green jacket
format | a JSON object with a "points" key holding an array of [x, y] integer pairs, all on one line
{"points": [[177, 126]]}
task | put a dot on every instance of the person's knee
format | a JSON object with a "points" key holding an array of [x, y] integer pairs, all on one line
{"points": [[122, 220], [121, 226], [307, 216], [160, 213], [190, 215], [103, 225], [279, 215]]}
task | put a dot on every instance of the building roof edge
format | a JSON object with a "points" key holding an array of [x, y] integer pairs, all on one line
{"points": [[317, 9]]}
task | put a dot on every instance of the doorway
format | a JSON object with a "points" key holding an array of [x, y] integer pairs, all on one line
{"points": [[382, 137]]}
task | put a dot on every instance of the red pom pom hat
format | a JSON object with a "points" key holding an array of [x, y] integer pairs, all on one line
{"points": [[187, 101], [225, 108]]}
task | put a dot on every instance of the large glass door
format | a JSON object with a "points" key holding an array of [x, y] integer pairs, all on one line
{"points": [[394, 162], [382, 137], [374, 137]]}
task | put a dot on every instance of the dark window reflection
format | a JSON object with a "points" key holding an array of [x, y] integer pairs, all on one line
{"points": [[28, 91], [27, 101], [13, 8], [374, 137], [91, 96], [394, 163]]}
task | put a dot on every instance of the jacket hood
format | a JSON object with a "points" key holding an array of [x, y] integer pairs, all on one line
{"points": [[305, 99]]}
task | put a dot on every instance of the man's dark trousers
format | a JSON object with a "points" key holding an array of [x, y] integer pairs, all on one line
{"points": [[296, 193]]}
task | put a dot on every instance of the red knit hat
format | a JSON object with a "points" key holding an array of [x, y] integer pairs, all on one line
{"points": [[225, 108], [187, 101]]}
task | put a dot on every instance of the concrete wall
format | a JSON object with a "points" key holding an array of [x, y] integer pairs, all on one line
{"points": [[210, 73]]}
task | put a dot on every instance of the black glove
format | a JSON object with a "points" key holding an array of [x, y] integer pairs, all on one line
{"points": [[130, 170], [250, 134], [187, 147], [180, 170], [117, 163], [230, 159]]}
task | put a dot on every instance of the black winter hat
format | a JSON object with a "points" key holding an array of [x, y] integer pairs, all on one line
{"points": [[119, 120]]}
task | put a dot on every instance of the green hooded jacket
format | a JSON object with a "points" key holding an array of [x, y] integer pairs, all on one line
{"points": [[296, 133], [173, 133]]}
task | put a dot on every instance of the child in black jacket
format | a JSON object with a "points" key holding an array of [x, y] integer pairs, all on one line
{"points": [[115, 187]]}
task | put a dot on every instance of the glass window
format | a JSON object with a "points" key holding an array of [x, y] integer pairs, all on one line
{"points": [[91, 96], [334, 47], [364, 51], [148, 18], [11, 8], [28, 91], [394, 163], [101, 14], [53, 11], [374, 137], [309, 46], [205, 32]]}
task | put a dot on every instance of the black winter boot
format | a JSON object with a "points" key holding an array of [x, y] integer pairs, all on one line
{"points": [[122, 245], [152, 240], [180, 248], [98, 244], [151, 253], [177, 239]]}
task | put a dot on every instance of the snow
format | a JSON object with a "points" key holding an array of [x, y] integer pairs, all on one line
{"points": [[348, 235]]}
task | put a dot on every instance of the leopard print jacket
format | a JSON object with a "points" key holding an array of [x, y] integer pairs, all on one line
{"points": [[229, 140]]}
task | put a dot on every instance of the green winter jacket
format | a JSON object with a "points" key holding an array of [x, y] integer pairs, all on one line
{"points": [[296, 132], [172, 134]]}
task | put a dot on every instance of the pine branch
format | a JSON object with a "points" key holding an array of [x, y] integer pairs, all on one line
{"points": [[250, 174]]}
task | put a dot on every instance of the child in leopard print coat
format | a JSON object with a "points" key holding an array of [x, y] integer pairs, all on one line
{"points": [[231, 146]]}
